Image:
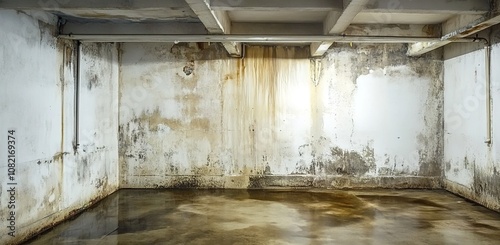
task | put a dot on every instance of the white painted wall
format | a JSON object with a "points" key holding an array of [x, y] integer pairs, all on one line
{"points": [[37, 100], [472, 168], [374, 113]]}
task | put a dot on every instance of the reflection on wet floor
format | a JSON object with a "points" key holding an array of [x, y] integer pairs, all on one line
{"points": [[279, 217]]}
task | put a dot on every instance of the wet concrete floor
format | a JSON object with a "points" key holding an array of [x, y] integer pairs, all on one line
{"points": [[279, 217]]}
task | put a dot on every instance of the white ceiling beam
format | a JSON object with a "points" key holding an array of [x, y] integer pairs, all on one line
{"points": [[86, 4], [337, 22], [244, 28], [456, 28], [216, 22], [277, 5], [161, 28], [318, 49], [429, 6]]}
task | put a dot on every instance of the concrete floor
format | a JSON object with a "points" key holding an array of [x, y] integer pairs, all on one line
{"points": [[280, 217]]}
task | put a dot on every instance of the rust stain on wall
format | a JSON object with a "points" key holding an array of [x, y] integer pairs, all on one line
{"points": [[255, 94], [155, 119]]}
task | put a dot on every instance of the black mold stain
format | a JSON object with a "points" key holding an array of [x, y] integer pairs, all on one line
{"points": [[189, 68], [191, 182], [267, 171], [338, 162], [256, 182], [185, 184], [100, 182], [83, 169], [93, 82], [192, 51], [487, 184], [349, 162]]}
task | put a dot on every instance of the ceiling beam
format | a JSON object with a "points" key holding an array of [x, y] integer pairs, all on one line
{"points": [[429, 6], [216, 22], [161, 28], [456, 28], [277, 5], [85, 4], [337, 22], [243, 28]]}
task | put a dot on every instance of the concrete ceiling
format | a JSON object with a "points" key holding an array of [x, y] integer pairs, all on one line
{"points": [[184, 14], [425, 24], [400, 18], [283, 16]]}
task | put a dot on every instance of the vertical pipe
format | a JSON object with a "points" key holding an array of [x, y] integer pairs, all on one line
{"points": [[488, 93], [77, 97]]}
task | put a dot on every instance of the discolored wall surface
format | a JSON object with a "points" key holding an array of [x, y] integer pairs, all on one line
{"points": [[363, 116], [37, 98], [472, 167]]}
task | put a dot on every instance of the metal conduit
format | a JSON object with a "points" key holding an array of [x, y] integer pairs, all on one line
{"points": [[487, 50]]}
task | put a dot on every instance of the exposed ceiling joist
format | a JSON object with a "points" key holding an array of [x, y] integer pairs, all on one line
{"points": [[85, 4], [336, 22], [429, 6], [277, 5], [318, 49], [216, 22], [455, 28]]}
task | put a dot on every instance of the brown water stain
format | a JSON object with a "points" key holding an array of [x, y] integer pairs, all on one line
{"points": [[155, 119], [402, 201]]}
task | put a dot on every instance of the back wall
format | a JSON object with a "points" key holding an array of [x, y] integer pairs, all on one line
{"points": [[362, 116]]}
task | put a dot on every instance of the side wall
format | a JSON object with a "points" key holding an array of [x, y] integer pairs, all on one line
{"points": [[37, 97], [364, 116], [472, 167]]}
